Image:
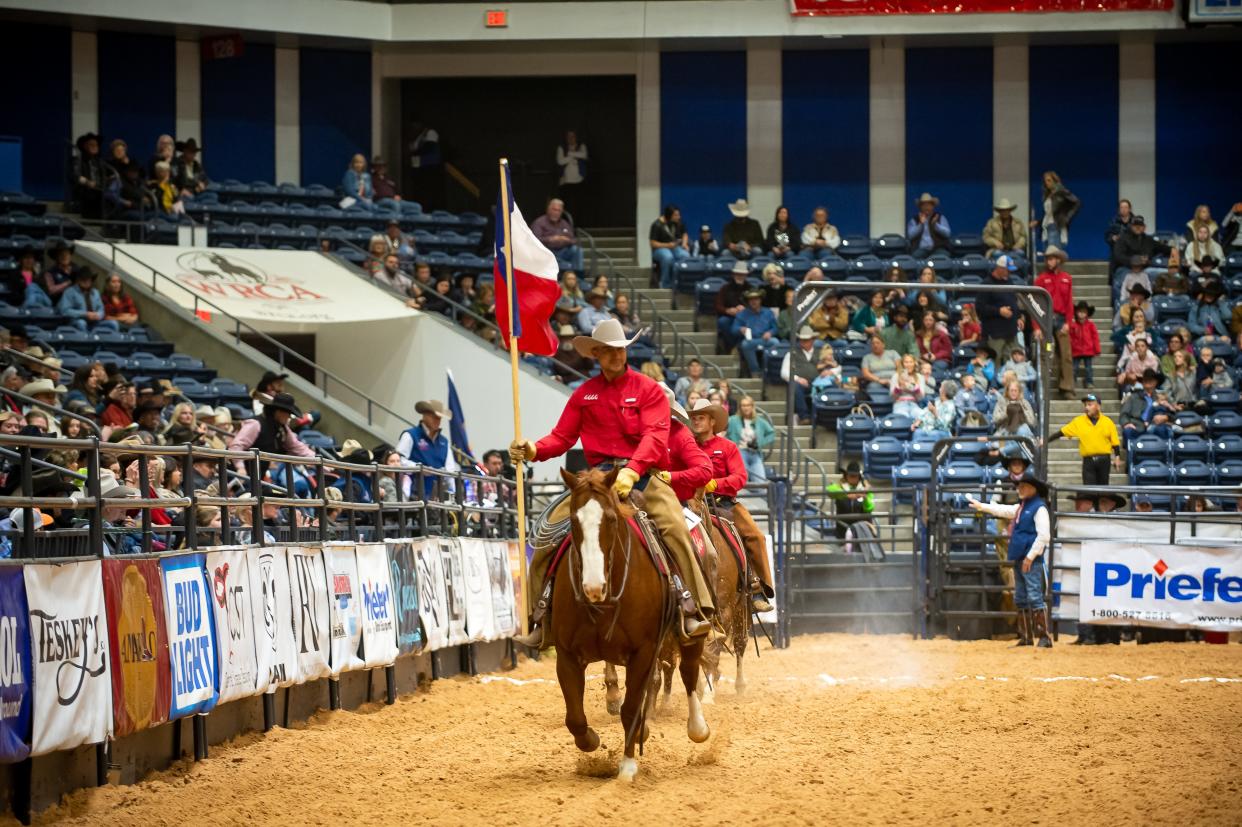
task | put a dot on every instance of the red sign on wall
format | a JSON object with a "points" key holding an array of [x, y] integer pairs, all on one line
{"points": [[827, 8], [223, 47]]}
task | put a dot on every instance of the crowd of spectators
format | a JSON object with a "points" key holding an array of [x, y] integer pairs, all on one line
{"points": [[118, 187]]}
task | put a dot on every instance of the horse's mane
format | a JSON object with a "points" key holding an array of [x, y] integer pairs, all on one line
{"points": [[597, 484]]}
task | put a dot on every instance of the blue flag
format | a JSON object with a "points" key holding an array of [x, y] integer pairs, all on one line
{"points": [[457, 423]]}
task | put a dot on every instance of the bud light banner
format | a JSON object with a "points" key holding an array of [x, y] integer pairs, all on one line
{"points": [[403, 574], [379, 614], [191, 634], [15, 673], [308, 588], [432, 596], [228, 569], [346, 608], [1196, 587], [69, 653], [137, 644], [275, 654]]}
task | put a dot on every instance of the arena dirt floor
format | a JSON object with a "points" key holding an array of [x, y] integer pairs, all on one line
{"points": [[837, 729]]}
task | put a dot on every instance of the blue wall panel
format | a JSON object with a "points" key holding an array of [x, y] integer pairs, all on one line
{"points": [[1074, 124], [826, 132], [703, 134], [36, 103], [949, 134], [335, 111], [239, 115], [1198, 132], [137, 90]]}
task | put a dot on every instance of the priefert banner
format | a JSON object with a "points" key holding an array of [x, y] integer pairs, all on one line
{"points": [[1133, 584]]}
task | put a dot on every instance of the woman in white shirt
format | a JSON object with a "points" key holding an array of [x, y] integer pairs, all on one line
{"points": [[571, 157]]}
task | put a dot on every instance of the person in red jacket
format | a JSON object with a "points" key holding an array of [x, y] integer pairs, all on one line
{"points": [[688, 468], [1084, 341], [729, 477], [1060, 285]]}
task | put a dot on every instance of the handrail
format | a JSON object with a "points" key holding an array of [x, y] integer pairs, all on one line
{"points": [[59, 412], [238, 325], [10, 352]]}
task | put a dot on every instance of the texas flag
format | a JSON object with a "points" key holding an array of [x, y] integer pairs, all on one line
{"points": [[535, 289]]}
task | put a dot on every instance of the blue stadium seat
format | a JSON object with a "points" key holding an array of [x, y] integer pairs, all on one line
{"points": [[1224, 422], [1192, 472], [852, 354], [896, 426], [881, 455], [1226, 447], [315, 439], [689, 274], [966, 244], [922, 443], [705, 295], [195, 390], [853, 246], [908, 264], [868, 266], [962, 473], [1148, 447], [835, 268], [1151, 472], [912, 473], [1229, 472], [1188, 419], [973, 266], [1191, 446], [1222, 400], [772, 355], [853, 431], [1172, 306], [890, 244], [964, 449], [830, 405], [881, 403]]}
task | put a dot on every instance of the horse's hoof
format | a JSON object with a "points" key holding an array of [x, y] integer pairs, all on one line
{"points": [[588, 741], [740, 687], [627, 769], [646, 733], [614, 707], [698, 736]]}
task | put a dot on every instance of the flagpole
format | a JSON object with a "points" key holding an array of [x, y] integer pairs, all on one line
{"points": [[513, 370]]}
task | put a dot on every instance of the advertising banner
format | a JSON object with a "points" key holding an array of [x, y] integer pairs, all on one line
{"points": [[480, 617], [276, 662], [504, 602], [345, 617], [69, 650], [1143, 584], [191, 634], [403, 573], [15, 700], [229, 572], [137, 644], [454, 589], [379, 614], [816, 8], [308, 584], [432, 596]]}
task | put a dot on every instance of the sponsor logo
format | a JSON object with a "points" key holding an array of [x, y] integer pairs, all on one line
{"points": [[590, 397], [215, 274], [1207, 586]]}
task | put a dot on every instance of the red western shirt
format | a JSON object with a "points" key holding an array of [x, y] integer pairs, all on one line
{"points": [[727, 467], [688, 466], [1061, 286], [625, 418]]}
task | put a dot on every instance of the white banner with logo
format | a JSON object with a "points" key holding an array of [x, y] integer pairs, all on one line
{"points": [[308, 589], [69, 650], [229, 572], [454, 589], [379, 613], [432, 597], [1146, 584], [346, 616], [504, 599], [480, 619], [276, 662]]}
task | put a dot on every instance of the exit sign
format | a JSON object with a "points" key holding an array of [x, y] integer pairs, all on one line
{"points": [[496, 18]]}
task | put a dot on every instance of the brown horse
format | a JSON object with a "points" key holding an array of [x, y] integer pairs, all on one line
{"points": [[611, 603]]}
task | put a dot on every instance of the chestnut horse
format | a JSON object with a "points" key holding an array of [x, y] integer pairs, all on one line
{"points": [[610, 603]]}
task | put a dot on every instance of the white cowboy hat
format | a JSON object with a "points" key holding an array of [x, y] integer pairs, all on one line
{"points": [[434, 406], [110, 487], [806, 332], [1056, 251], [927, 196], [720, 419], [608, 333], [41, 386], [205, 412], [1004, 204], [673, 404], [740, 208], [739, 267]]}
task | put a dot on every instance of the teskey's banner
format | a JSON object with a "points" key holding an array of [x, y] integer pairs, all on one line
{"points": [[817, 8]]}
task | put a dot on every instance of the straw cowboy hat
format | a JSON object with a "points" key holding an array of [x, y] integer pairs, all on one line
{"points": [[1053, 251], [806, 332], [41, 386], [740, 208], [673, 404], [720, 419], [608, 333], [927, 196], [110, 486], [205, 412], [1004, 205], [434, 407]]}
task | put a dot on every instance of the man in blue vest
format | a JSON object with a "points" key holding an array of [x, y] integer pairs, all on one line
{"points": [[425, 445], [1030, 533]]}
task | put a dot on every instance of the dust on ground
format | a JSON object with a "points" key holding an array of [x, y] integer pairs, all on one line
{"points": [[837, 729]]}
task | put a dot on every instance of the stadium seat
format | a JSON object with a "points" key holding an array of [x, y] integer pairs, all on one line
{"points": [[911, 474], [867, 266], [896, 426], [1223, 400], [881, 402], [922, 443], [1224, 422], [1226, 447], [829, 406], [705, 295], [881, 455], [962, 473], [853, 246], [853, 431], [852, 354], [772, 355], [970, 267], [890, 244], [1148, 447], [1173, 306], [1192, 472], [1187, 420], [1151, 472], [964, 449], [689, 274], [1229, 472], [966, 244], [1191, 447]]}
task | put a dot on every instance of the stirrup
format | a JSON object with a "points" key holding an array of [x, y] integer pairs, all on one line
{"points": [[759, 603], [692, 627], [533, 639]]}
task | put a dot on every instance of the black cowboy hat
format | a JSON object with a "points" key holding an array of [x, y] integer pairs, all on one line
{"points": [[182, 146], [51, 484], [147, 407], [1138, 288], [853, 469], [1083, 305], [1020, 457], [89, 136], [84, 273], [282, 402], [985, 349], [268, 377], [1041, 487], [1208, 261], [360, 457], [59, 247], [1117, 500]]}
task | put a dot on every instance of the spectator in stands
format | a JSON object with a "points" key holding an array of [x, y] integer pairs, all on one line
{"points": [[118, 155], [81, 302], [382, 187], [269, 384], [1176, 344], [89, 176], [691, 380], [970, 399], [870, 320], [898, 336], [933, 344], [1013, 415], [906, 388], [1203, 246], [397, 241], [1126, 335], [16, 282], [1230, 238], [391, 276], [819, 238], [484, 303], [1023, 370], [85, 386], [356, 182], [669, 244], [1002, 235], [425, 444], [627, 316], [122, 399], [1201, 218], [269, 431], [595, 311], [728, 399], [187, 171], [852, 500], [940, 414], [1137, 306], [568, 365], [1171, 281], [1060, 285], [1120, 223], [163, 194], [894, 296], [571, 290], [743, 237], [783, 238], [937, 299], [571, 157], [928, 230], [437, 300], [1136, 409], [1207, 320], [1135, 243], [999, 311], [184, 428], [1141, 360], [127, 197], [705, 245], [801, 367], [601, 281], [773, 287], [147, 418], [117, 303], [1097, 441], [463, 291], [753, 326], [879, 365], [1060, 207], [556, 232], [753, 435], [831, 374], [58, 277], [969, 331], [983, 366], [784, 316], [831, 320], [164, 149], [730, 300], [1136, 276]]}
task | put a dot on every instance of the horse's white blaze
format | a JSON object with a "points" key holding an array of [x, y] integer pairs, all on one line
{"points": [[590, 518], [696, 726], [627, 769]]}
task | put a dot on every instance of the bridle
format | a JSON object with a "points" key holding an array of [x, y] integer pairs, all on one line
{"points": [[574, 563]]}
